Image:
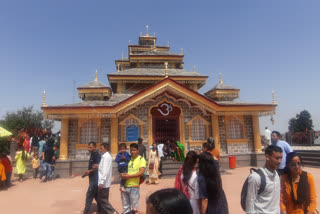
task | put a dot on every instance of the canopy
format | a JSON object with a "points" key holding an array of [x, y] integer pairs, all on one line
{"points": [[4, 133]]}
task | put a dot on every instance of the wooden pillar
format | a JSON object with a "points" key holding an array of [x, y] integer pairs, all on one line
{"points": [[182, 130], [114, 135], [215, 130], [64, 139], [150, 138], [119, 87], [256, 134]]}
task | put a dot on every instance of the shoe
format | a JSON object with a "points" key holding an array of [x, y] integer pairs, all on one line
{"points": [[20, 180]]}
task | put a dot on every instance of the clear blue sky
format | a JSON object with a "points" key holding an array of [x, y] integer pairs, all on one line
{"points": [[256, 45]]}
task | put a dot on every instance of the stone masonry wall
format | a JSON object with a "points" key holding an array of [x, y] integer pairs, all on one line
{"points": [[73, 138], [249, 132], [222, 134]]}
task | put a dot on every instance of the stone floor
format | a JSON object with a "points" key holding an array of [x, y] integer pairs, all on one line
{"points": [[68, 195]]}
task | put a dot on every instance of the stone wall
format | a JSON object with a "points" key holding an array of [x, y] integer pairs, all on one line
{"points": [[238, 148], [105, 130], [72, 138], [249, 132], [222, 134]]}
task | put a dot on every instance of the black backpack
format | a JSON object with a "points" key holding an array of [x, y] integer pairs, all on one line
{"points": [[244, 190]]}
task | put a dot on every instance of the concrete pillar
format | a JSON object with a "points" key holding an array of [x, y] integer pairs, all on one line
{"points": [[215, 130], [64, 139], [256, 134], [114, 135]]}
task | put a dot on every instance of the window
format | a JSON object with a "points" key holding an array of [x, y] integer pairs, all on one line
{"points": [[198, 130], [131, 128], [89, 132], [235, 130]]}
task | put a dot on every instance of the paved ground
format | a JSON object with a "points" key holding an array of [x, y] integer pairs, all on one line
{"points": [[68, 195]]}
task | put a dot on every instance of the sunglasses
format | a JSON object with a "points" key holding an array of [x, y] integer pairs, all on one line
{"points": [[295, 164]]}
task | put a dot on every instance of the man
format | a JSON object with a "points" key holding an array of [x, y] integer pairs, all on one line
{"points": [[267, 201], [160, 150], [267, 135], [212, 148], [93, 176], [286, 148], [47, 160], [104, 182], [136, 168], [142, 148]]}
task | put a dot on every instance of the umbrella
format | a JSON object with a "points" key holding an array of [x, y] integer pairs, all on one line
{"points": [[4, 133]]}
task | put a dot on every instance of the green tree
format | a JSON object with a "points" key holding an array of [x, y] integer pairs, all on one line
{"points": [[301, 122], [26, 119]]}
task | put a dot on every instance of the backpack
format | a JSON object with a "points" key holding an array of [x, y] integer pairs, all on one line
{"points": [[244, 190], [178, 184]]}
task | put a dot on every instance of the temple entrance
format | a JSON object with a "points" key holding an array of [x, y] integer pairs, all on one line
{"points": [[165, 122]]}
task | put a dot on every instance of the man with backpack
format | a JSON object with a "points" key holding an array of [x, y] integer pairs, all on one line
{"points": [[261, 191], [136, 167]]}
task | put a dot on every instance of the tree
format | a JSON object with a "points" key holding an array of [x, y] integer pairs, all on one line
{"points": [[301, 123], [26, 119]]}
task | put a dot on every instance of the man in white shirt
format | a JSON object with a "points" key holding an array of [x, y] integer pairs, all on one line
{"points": [[267, 135], [268, 201], [160, 150], [104, 182]]}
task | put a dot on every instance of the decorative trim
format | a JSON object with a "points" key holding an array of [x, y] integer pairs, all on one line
{"points": [[231, 141]]}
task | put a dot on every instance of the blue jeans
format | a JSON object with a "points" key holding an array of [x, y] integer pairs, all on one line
{"points": [[46, 169], [130, 199], [8, 181]]}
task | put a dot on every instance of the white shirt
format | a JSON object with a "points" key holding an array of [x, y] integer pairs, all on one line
{"points": [[160, 149], [105, 170], [268, 202], [267, 134]]}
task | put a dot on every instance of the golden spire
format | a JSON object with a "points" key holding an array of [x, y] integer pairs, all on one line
{"points": [[166, 64], [168, 44], [130, 51], [129, 42], [118, 67], [44, 99], [181, 53], [273, 98], [96, 77], [220, 78], [154, 45], [194, 69], [147, 29]]}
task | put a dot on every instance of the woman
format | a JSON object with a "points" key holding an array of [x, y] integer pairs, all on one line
{"points": [[21, 157], [168, 201], [213, 199], [153, 165], [188, 180], [298, 193], [178, 151]]}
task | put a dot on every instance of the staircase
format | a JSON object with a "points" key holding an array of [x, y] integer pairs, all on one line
{"points": [[310, 157], [170, 168]]}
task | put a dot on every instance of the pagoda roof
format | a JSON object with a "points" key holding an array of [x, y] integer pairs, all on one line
{"points": [[155, 72], [156, 53], [94, 84]]}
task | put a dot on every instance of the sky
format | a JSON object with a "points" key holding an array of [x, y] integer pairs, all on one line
{"points": [[257, 46]]}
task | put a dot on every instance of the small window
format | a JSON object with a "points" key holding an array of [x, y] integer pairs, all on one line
{"points": [[198, 130], [235, 130], [89, 132]]}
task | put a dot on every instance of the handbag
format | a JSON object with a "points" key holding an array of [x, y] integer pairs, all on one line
{"points": [[151, 166]]}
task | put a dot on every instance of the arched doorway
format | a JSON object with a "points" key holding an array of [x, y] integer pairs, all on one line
{"points": [[165, 122]]}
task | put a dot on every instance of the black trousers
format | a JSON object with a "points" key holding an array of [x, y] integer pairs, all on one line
{"points": [[91, 193], [104, 205]]}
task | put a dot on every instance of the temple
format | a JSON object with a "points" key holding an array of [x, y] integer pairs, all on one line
{"points": [[150, 95]]}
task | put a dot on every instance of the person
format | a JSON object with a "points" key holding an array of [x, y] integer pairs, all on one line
{"points": [[142, 148], [55, 157], [166, 150], [298, 192], [136, 169], [34, 144], [42, 142], [267, 135], [122, 159], [169, 201], [205, 147], [178, 151], [286, 149], [212, 196], [153, 164], [26, 144], [267, 201], [35, 165], [189, 179], [3, 176], [21, 157], [42, 148], [47, 161], [212, 148], [104, 182], [8, 168], [93, 176], [160, 147]]}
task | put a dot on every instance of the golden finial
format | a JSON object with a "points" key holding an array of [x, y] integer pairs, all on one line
{"points": [[194, 69], [118, 67], [96, 77], [147, 29], [130, 51], [166, 65], [154, 45], [273, 98], [168, 44], [122, 56], [129, 42], [44, 99], [220, 78], [181, 53]]}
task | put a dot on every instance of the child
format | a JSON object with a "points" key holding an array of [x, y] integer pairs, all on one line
{"points": [[123, 159], [54, 158], [35, 165], [205, 147]]}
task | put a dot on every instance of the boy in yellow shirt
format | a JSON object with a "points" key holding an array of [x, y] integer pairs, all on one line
{"points": [[35, 165], [136, 167]]}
